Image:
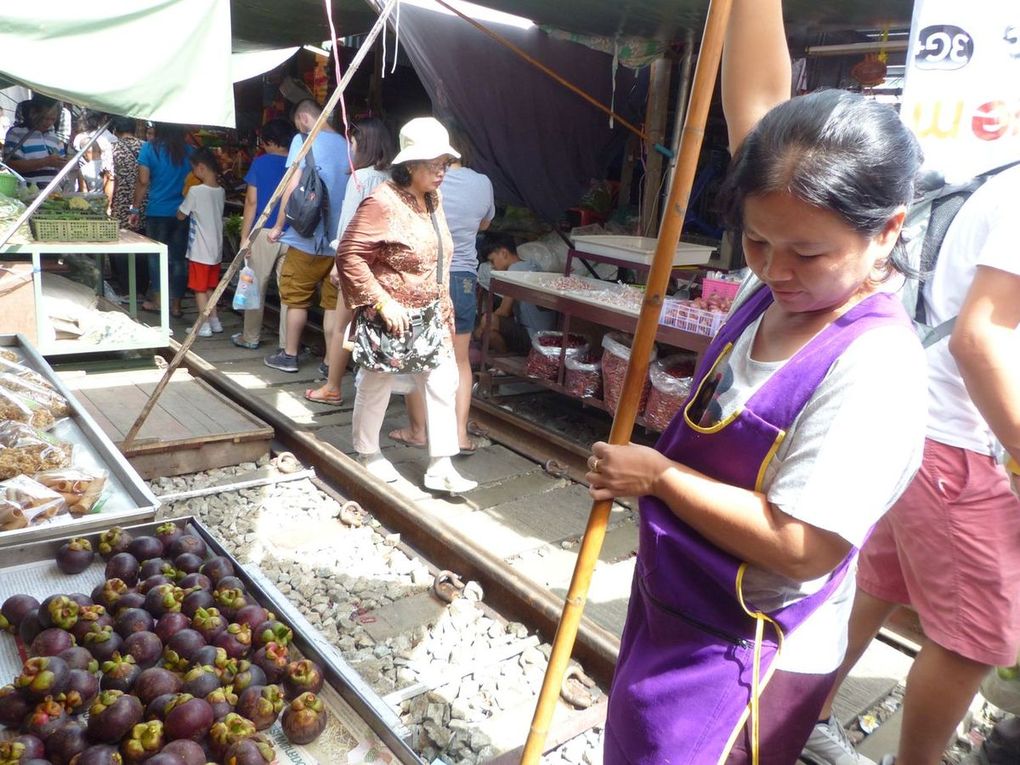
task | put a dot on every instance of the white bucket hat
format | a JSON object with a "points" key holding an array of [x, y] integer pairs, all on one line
{"points": [[424, 138]]}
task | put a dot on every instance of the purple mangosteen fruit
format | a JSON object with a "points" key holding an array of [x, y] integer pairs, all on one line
{"points": [[78, 657], [109, 592], [209, 623], [273, 659], [51, 642], [21, 748], [304, 719], [303, 676], [223, 701], [16, 607], [145, 647], [201, 680], [155, 681], [186, 643], [30, 626], [190, 581], [187, 563], [152, 581], [14, 705], [257, 750], [58, 611], [129, 620], [99, 754], [144, 741], [163, 599], [119, 673], [235, 640], [44, 718], [188, 717], [272, 631], [190, 752], [229, 730], [103, 642], [112, 715], [261, 704], [168, 533], [170, 624], [146, 547], [75, 555], [65, 742], [43, 676], [164, 757], [113, 541], [82, 689], [196, 599], [216, 568], [188, 543], [87, 617], [252, 614], [248, 675], [123, 566], [132, 599]]}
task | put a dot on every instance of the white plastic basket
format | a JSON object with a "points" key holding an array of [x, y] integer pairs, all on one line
{"points": [[683, 315]]}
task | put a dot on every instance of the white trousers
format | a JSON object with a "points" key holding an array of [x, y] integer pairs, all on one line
{"points": [[439, 389]]}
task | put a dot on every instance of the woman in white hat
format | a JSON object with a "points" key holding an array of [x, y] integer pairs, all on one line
{"points": [[394, 265]]}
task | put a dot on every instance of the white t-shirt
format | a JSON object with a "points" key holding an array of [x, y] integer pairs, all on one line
{"points": [[205, 235], [845, 460], [986, 232]]}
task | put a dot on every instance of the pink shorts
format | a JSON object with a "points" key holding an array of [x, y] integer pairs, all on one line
{"points": [[950, 547]]}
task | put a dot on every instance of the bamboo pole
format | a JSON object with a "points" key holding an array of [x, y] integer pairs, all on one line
{"points": [[242, 253], [637, 369]]}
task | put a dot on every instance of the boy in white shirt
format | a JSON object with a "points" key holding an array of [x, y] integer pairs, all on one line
{"points": [[204, 203]]}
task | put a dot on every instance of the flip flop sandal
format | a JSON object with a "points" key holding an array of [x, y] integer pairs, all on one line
{"points": [[177, 314], [149, 307], [395, 436], [334, 399], [466, 450]]}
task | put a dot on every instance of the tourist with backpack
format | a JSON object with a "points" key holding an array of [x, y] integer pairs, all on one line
{"points": [[311, 205], [950, 547]]}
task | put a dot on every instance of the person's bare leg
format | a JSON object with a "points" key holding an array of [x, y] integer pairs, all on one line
{"points": [[329, 331], [340, 357], [867, 617], [940, 686], [296, 318], [461, 349], [416, 431], [201, 300], [207, 297]]}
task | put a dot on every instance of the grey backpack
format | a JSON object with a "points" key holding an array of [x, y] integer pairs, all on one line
{"points": [[309, 204]]}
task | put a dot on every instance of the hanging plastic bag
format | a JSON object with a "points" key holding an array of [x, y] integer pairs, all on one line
{"points": [[615, 357], [583, 378], [544, 356], [671, 385], [246, 297]]}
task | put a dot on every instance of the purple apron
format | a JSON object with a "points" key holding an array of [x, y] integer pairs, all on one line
{"points": [[693, 660]]}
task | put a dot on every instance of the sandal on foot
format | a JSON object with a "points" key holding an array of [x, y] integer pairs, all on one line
{"points": [[327, 397], [150, 307], [398, 436]]}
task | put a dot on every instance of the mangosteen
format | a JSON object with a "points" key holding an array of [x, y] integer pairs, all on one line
{"points": [[156, 567], [231, 583], [188, 543], [30, 626], [119, 673], [123, 566], [43, 676], [16, 607], [190, 752], [304, 719], [210, 654], [209, 623], [222, 701], [130, 620], [155, 681], [170, 624], [103, 642], [144, 740], [217, 568], [99, 754], [163, 598], [186, 643], [21, 748], [187, 563], [44, 718], [304, 676], [112, 715], [152, 581], [229, 730], [65, 742], [165, 758], [201, 680], [174, 661], [58, 611], [144, 548], [168, 533], [51, 642], [14, 705], [251, 614], [261, 704], [272, 631], [257, 750], [145, 647], [273, 659], [188, 717], [82, 689], [191, 581], [131, 599], [75, 556], [87, 617], [113, 541], [157, 708], [235, 640], [248, 675], [78, 657], [196, 599], [109, 592]]}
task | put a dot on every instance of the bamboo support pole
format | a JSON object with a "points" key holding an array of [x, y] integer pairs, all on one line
{"points": [[648, 321], [242, 253]]}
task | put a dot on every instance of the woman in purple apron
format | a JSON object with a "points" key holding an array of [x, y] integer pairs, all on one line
{"points": [[804, 424]]}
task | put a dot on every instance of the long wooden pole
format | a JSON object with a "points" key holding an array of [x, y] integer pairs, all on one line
{"points": [[637, 369], [242, 253]]}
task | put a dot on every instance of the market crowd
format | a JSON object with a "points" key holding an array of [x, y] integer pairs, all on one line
{"points": [[828, 466]]}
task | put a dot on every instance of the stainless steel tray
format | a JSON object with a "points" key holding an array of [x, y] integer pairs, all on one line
{"points": [[362, 729], [128, 499]]}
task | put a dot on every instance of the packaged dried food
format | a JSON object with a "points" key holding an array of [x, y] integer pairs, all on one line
{"points": [[8, 355], [671, 379], [18, 408], [615, 357], [81, 489], [25, 450], [544, 357], [583, 377], [34, 502], [47, 397], [20, 370]]}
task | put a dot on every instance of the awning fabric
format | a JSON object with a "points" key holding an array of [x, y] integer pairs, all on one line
{"points": [[247, 64], [165, 60]]}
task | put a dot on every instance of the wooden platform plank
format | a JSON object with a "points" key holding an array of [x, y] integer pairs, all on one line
{"points": [[121, 406]]}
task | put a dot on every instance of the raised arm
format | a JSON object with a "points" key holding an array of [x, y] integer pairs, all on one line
{"points": [[756, 73]]}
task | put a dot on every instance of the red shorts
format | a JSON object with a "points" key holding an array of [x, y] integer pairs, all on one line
{"points": [[950, 547], [203, 277]]}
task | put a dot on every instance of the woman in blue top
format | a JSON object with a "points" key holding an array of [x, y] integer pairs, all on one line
{"points": [[162, 169]]}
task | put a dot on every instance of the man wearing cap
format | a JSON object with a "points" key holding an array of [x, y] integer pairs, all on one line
{"points": [[308, 260]]}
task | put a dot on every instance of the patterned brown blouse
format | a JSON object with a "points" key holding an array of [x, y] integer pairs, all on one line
{"points": [[390, 249]]}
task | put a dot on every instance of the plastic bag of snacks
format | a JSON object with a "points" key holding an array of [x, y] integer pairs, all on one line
{"points": [[8, 355], [81, 489], [25, 450], [47, 397], [583, 377], [615, 357], [20, 370], [671, 379], [544, 357], [246, 297], [18, 408], [24, 501]]}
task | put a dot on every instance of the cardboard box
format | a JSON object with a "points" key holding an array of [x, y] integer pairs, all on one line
{"points": [[17, 301]]}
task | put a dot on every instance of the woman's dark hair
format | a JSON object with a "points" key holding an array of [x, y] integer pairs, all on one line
{"points": [[834, 150], [170, 138], [460, 141], [401, 174], [376, 147], [205, 157], [124, 125], [278, 131], [493, 242]]}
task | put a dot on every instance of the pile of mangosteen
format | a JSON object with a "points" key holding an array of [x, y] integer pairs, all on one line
{"points": [[168, 662]]}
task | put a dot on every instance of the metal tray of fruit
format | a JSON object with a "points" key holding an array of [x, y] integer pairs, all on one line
{"points": [[358, 726], [125, 499]]}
